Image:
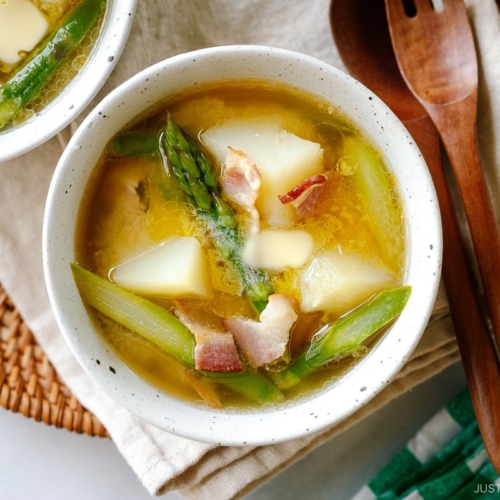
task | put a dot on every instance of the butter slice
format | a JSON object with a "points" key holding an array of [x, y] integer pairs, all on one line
{"points": [[22, 26], [278, 249]]}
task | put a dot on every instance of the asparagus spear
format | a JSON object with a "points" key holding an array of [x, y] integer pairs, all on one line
{"points": [[346, 335], [135, 143], [164, 330], [30, 79], [195, 174], [378, 189]]}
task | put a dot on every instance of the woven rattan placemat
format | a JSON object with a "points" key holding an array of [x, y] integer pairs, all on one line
{"points": [[29, 383]]}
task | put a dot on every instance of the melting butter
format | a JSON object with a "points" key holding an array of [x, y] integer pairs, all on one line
{"points": [[277, 249], [22, 26]]}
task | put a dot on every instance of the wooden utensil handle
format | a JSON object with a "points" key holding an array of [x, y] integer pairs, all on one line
{"points": [[457, 126], [478, 354]]}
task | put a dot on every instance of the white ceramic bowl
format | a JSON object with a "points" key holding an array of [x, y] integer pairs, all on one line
{"points": [[18, 139], [423, 231]]}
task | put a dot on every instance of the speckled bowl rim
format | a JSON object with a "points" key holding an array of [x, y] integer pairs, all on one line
{"points": [[360, 384], [76, 96]]}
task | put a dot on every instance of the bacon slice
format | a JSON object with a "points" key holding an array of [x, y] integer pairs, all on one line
{"points": [[215, 350], [305, 195], [241, 181], [265, 340]]}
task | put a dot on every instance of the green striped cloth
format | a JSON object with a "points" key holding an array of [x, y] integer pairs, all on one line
{"points": [[445, 460]]}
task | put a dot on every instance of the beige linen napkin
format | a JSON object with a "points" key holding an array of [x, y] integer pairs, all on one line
{"points": [[164, 28]]}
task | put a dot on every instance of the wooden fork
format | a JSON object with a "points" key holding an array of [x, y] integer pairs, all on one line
{"points": [[436, 55]]}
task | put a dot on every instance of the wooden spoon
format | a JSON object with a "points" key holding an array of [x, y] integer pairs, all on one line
{"points": [[361, 34]]}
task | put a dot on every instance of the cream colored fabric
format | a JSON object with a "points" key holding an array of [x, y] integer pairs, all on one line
{"points": [[164, 28]]}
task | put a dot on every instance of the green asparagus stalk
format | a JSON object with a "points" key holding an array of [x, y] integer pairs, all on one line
{"points": [[164, 330], [135, 143], [249, 383], [346, 335], [378, 189], [31, 78], [136, 313], [195, 174]]}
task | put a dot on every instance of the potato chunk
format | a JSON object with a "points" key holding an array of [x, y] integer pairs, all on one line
{"points": [[337, 283], [283, 160], [174, 268]]}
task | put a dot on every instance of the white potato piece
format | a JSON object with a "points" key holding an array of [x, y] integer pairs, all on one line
{"points": [[174, 268], [277, 249], [283, 160], [336, 282]]}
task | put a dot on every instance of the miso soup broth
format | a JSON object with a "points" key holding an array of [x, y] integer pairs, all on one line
{"points": [[302, 210]]}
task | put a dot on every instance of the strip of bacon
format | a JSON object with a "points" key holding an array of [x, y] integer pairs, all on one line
{"points": [[265, 341], [215, 350], [305, 195], [241, 181]]}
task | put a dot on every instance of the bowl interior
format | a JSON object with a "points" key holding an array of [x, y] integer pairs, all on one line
{"points": [[72, 100], [423, 233]]}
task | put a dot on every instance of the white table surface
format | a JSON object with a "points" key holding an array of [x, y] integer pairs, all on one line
{"points": [[44, 463]]}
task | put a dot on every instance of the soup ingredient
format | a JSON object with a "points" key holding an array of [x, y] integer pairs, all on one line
{"points": [[193, 173], [378, 189], [27, 83], [205, 389], [140, 315], [304, 196], [164, 330], [196, 175], [283, 160], [346, 335], [124, 195], [53, 9], [174, 268], [249, 383], [240, 180], [266, 340], [22, 26], [134, 143], [338, 282], [215, 350], [277, 249]]}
